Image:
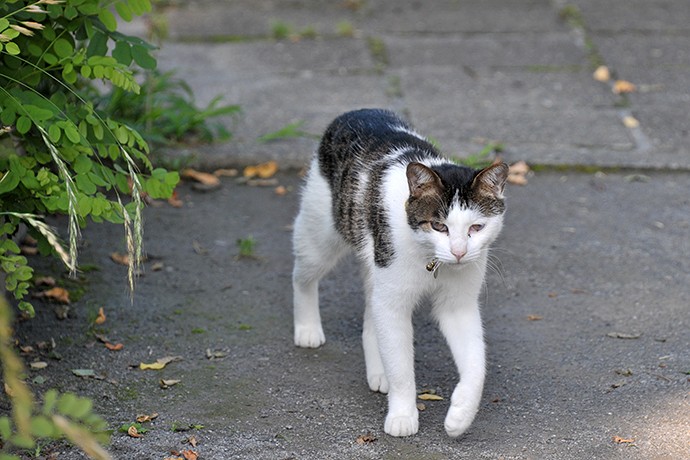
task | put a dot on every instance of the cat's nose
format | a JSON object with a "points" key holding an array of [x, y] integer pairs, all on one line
{"points": [[458, 253]]}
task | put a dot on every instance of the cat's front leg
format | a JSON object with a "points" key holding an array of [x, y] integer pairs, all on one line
{"points": [[392, 318], [462, 328]]}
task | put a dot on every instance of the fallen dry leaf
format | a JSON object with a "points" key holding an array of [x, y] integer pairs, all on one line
{"points": [[430, 397], [192, 441], [146, 418], [517, 173], [100, 319], [132, 431], [189, 455], [534, 317], [281, 190], [26, 349], [57, 294], [630, 122], [44, 281], [262, 171], [619, 440], [28, 250], [122, 259], [623, 86], [160, 363], [167, 383], [201, 177], [225, 172], [38, 365], [421, 406], [366, 439], [623, 335], [114, 346], [602, 74], [174, 200]]}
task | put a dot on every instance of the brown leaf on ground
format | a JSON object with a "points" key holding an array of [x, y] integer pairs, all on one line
{"points": [[28, 250], [630, 122], [619, 440], [44, 281], [201, 177], [262, 171], [623, 86], [146, 417], [100, 319], [174, 200], [38, 365], [57, 294], [122, 259], [189, 455], [132, 432], [534, 317], [366, 439], [429, 397], [517, 173], [192, 441], [160, 363], [602, 74], [167, 383], [623, 335], [114, 346], [232, 172]]}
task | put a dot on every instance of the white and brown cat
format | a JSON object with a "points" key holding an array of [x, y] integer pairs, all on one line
{"points": [[421, 227]]}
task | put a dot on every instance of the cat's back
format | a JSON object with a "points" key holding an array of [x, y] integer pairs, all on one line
{"points": [[362, 138]]}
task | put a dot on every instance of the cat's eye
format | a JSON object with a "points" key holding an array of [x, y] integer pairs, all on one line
{"points": [[439, 226], [475, 228]]}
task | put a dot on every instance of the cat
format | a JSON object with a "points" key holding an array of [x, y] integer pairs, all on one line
{"points": [[420, 227]]}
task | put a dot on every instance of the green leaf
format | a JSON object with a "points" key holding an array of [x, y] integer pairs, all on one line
{"points": [[63, 48], [23, 125], [9, 182], [108, 19], [143, 58], [72, 133], [54, 133], [84, 183], [122, 53], [124, 11], [98, 45], [82, 164], [12, 48], [41, 427], [5, 428]]}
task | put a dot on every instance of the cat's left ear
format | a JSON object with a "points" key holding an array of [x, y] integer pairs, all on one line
{"points": [[492, 180]]}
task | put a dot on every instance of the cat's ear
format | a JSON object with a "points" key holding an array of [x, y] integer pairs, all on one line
{"points": [[492, 180], [422, 180]]}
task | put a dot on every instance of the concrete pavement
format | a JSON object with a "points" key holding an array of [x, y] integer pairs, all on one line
{"points": [[586, 307]]}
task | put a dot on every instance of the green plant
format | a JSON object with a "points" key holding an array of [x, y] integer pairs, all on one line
{"points": [[246, 246], [481, 159], [165, 111], [59, 153], [291, 130], [61, 415]]}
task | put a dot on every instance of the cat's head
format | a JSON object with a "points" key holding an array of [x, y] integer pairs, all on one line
{"points": [[455, 212]]}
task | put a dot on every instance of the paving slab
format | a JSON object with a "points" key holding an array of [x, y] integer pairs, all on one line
{"points": [[577, 269]]}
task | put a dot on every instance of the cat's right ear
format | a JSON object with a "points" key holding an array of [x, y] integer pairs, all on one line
{"points": [[422, 180]]}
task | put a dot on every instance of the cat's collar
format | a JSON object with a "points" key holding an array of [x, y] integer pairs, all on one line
{"points": [[433, 266]]}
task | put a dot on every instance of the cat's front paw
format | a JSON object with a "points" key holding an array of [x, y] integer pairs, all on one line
{"points": [[401, 425], [309, 336], [378, 382], [458, 420]]}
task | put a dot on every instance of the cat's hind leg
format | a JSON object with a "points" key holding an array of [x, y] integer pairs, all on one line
{"points": [[376, 376], [317, 248]]}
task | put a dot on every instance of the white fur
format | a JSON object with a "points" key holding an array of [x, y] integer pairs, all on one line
{"points": [[392, 294]]}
